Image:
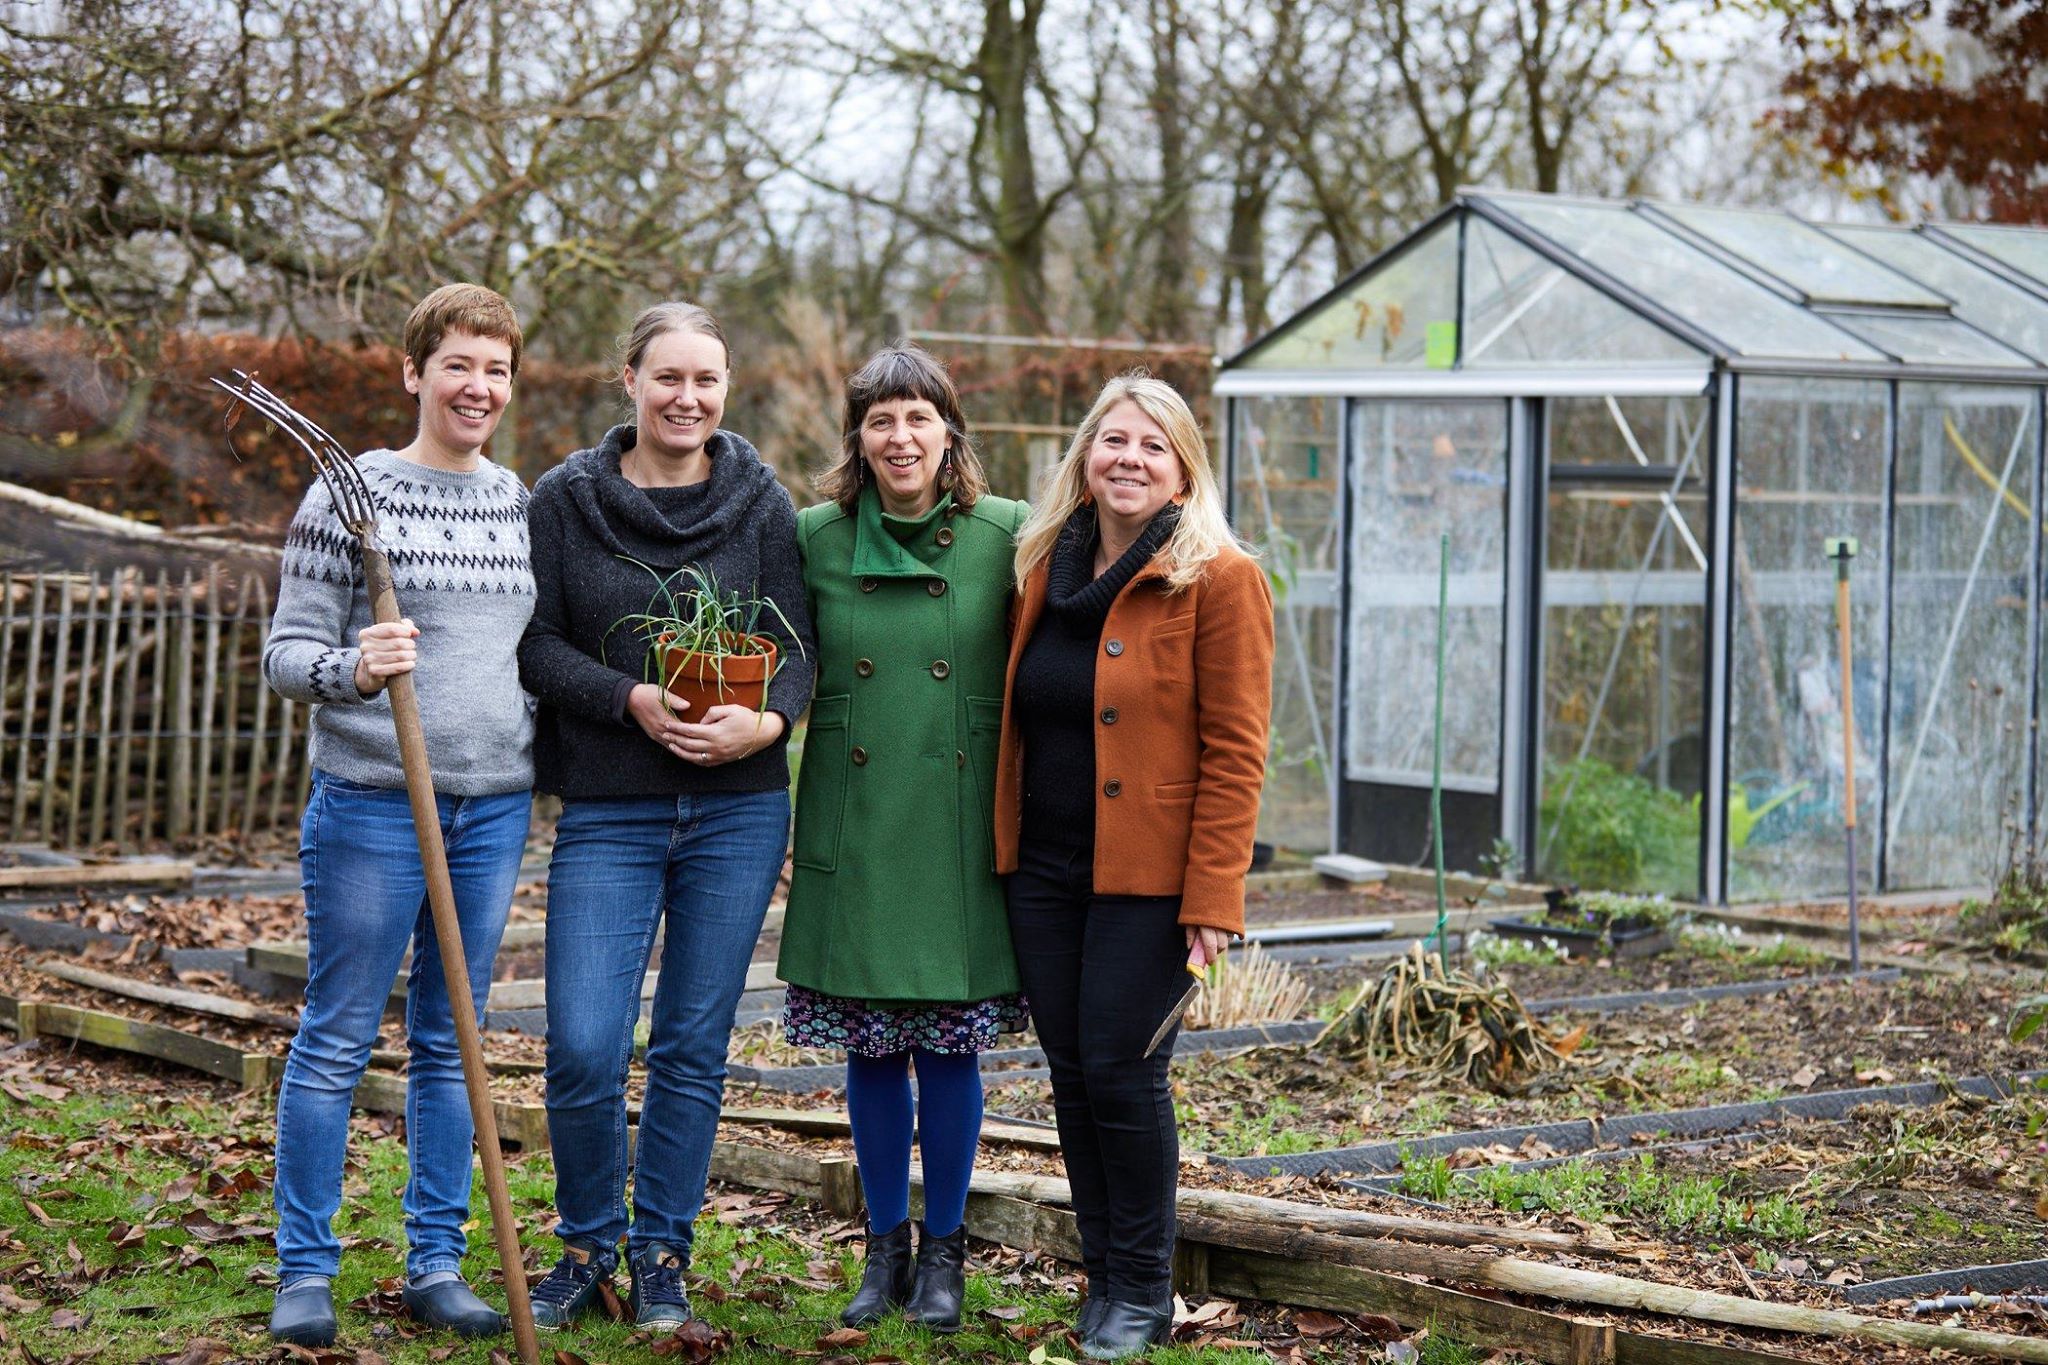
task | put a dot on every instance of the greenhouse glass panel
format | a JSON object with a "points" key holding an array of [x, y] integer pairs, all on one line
{"points": [[1424, 469], [1624, 614], [1931, 340], [1665, 268], [1960, 709], [1402, 314], [1803, 256], [1523, 310], [2006, 311], [2024, 249], [1811, 462], [1625, 433], [1284, 500]]}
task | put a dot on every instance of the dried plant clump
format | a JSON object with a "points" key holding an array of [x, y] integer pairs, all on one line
{"points": [[1248, 987], [1420, 1018]]}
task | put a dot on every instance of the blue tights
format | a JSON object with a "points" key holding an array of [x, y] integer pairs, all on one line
{"points": [[947, 1118]]}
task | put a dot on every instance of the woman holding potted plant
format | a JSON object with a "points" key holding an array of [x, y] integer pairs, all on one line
{"points": [[896, 946], [674, 816], [1133, 755], [454, 525]]}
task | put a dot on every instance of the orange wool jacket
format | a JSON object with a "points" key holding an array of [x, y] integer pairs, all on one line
{"points": [[1183, 695]]}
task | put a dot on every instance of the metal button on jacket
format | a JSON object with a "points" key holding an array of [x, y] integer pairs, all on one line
{"points": [[867, 585], [860, 757], [941, 669], [1114, 648], [959, 758], [936, 587], [866, 668], [945, 535], [1112, 787], [1109, 715]]}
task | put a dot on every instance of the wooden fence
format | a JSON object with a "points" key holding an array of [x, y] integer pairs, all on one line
{"points": [[133, 709]]}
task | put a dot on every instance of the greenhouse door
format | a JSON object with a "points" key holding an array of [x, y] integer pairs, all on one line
{"points": [[1623, 661], [1420, 470]]}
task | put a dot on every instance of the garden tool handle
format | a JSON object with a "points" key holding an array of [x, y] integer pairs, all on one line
{"points": [[1848, 697], [426, 819]]}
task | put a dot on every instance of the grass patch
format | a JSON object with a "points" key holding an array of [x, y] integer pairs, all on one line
{"points": [[141, 1226], [1607, 1192]]}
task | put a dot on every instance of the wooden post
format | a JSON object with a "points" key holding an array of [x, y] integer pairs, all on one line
{"points": [[209, 692], [839, 1186], [28, 708], [53, 730], [129, 683], [178, 803], [82, 712], [283, 765], [103, 761], [231, 712], [158, 673], [262, 690], [6, 657]]}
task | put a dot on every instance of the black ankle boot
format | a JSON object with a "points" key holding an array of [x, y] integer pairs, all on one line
{"points": [[886, 1279], [1126, 1329], [941, 1280]]}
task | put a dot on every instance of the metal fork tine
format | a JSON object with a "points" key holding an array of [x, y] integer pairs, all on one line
{"points": [[350, 492]]}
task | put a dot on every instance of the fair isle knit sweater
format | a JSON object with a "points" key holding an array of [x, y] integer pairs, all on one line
{"points": [[460, 562]]}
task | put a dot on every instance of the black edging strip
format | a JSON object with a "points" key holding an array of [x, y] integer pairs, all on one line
{"points": [[1693, 995], [2016, 1277], [1380, 1158]]}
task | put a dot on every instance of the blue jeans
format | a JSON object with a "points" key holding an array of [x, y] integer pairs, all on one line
{"points": [[366, 903], [705, 865]]}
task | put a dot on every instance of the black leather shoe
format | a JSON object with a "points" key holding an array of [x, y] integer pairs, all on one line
{"points": [[1091, 1311], [885, 1280], [304, 1314], [1126, 1329], [941, 1284], [450, 1304]]}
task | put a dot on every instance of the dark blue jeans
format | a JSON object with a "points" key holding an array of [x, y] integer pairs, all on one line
{"points": [[702, 868], [366, 903]]}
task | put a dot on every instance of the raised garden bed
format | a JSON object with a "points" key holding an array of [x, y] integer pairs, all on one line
{"points": [[1288, 1100]]}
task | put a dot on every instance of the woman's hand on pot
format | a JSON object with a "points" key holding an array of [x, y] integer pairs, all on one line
{"points": [[729, 732], [1205, 944], [387, 651], [659, 716]]}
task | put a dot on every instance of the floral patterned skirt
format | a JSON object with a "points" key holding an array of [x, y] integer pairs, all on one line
{"points": [[872, 1028]]}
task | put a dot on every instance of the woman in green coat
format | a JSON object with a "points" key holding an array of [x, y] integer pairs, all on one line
{"points": [[896, 946]]}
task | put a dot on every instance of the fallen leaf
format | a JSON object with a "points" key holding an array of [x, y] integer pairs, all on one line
{"points": [[1804, 1077], [65, 1319], [840, 1339], [1316, 1325]]}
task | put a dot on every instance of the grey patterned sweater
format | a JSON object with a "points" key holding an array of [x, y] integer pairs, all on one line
{"points": [[459, 558]]}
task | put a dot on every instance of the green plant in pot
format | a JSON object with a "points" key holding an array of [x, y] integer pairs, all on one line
{"points": [[706, 643]]}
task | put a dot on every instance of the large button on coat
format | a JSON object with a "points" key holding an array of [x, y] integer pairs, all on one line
{"points": [[894, 895]]}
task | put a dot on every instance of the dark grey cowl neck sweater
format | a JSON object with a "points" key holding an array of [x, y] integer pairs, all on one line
{"points": [[587, 523]]}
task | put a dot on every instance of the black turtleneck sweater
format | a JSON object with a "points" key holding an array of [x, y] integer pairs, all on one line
{"points": [[1055, 686]]}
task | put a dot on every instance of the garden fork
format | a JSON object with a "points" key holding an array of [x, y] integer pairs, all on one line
{"points": [[357, 510]]}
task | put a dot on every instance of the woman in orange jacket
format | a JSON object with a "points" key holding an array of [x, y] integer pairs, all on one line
{"points": [[1127, 791]]}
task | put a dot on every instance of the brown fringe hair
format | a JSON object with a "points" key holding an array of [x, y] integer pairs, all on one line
{"points": [[905, 371], [461, 308]]}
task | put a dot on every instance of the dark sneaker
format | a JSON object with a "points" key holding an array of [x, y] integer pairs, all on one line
{"points": [[304, 1313], [573, 1287], [657, 1300]]}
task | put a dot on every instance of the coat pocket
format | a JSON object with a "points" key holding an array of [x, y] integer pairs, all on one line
{"points": [[1176, 791], [821, 784], [984, 739]]}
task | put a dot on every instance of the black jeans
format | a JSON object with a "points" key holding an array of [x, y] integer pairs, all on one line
{"points": [[1101, 972]]}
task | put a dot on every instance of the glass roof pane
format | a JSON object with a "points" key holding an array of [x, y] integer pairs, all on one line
{"points": [[2009, 313], [1930, 340], [2024, 249], [1679, 276], [1803, 257], [1524, 310], [1402, 315]]}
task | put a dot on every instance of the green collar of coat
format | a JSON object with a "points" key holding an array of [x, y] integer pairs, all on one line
{"points": [[893, 547]]}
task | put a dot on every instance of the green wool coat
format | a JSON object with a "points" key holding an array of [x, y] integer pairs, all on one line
{"points": [[894, 895]]}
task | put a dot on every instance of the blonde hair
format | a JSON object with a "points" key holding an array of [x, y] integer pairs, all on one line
{"points": [[1202, 531]]}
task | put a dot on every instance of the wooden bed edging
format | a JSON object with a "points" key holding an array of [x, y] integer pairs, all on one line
{"points": [[1208, 1263]]}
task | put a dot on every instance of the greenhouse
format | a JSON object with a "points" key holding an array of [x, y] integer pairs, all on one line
{"points": [[1639, 424]]}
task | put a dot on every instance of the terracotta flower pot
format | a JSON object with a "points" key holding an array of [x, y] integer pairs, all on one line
{"points": [[708, 680]]}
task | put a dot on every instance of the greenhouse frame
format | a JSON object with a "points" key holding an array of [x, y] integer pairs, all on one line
{"points": [[1637, 424]]}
